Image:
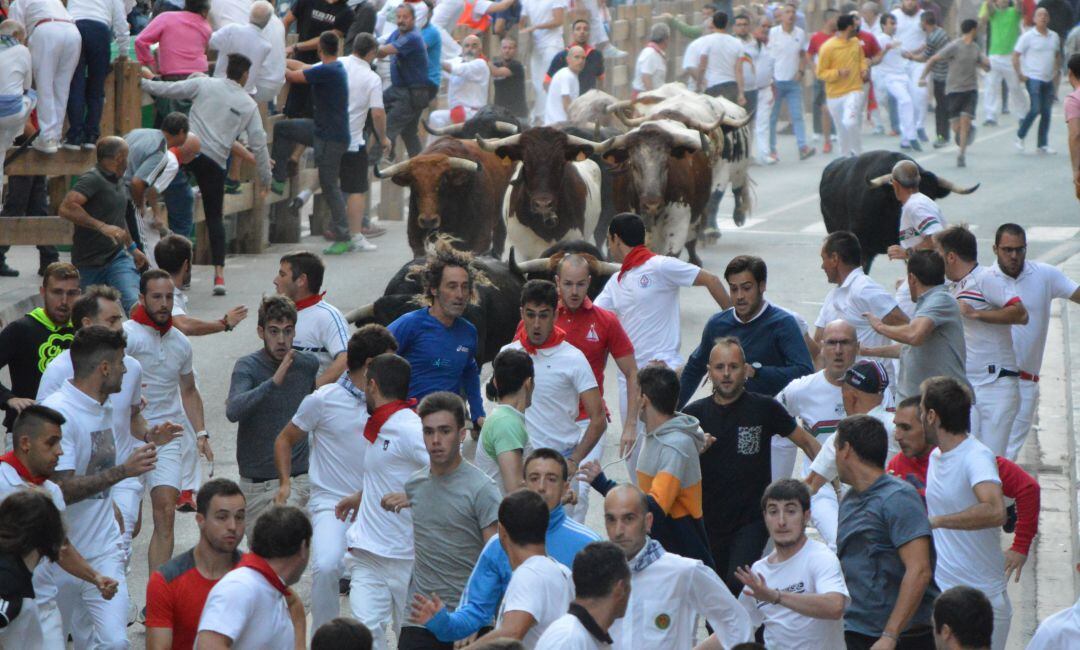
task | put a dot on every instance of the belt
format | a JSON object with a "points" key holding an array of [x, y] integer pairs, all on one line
{"points": [[264, 480], [1027, 376], [52, 20], [1008, 373]]}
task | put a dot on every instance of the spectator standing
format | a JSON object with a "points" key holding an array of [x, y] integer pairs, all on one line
{"points": [[842, 67], [720, 63], [1072, 121], [1003, 20], [544, 19], [272, 73], [884, 545], [962, 58], [787, 47], [593, 71], [565, 87], [764, 73], [504, 441], [749, 61], [602, 594], [55, 45], [320, 326], [266, 389], [409, 91], [17, 101], [153, 170], [819, 111], [182, 38], [1037, 60], [312, 18], [468, 85], [508, 78], [99, 22], [246, 39], [650, 70]]}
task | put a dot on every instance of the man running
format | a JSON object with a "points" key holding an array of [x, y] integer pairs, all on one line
{"points": [[320, 326]]}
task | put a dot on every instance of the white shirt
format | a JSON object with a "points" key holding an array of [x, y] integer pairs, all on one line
{"points": [[988, 346], [787, 50], [764, 66], [365, 93], [110, 12], [321, 330], [652, 63], [88, 448], [1037, 285], [541, 587], [723, 52], [447, 13], [543, 11], [32, 12], [1058, 632], [468, 85], [892, 63], [1038, 53], [179, 302], [164, 360], [229, 12], [272, 71], [855, 296], [668, 596], [563, 84], [815, 401], [242, 39], [561, 375], [334, 419], [247, 609], [16, 75], [813, 570], [824, 464], [646, 301], [964, 557], [920, 217], [397, 452], [909, 30], [567, 633], [750, 52], [690, 60]]}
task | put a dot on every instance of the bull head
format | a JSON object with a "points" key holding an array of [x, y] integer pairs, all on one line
{"points": [[547, 265], [424, 174], [945, 184]]}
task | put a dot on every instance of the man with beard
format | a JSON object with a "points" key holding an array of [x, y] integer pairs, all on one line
{"points": [[593, 72], [177, 591], [320, 327], [438, 343], [468, 85], [174, 254]]}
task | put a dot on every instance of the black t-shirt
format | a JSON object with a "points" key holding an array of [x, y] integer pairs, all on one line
{"points": [[363, 21], [589, 75], [27, 345], [313, 17], [510, 91], [15, 585], [737, 468]]}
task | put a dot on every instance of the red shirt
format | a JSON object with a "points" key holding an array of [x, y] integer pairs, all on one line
{"points": [[870, 47], [175, 596], [816, 41], [1015, 484]]}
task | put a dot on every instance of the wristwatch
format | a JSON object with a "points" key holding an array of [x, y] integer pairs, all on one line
{"points": [[225, 323], [202, 434]]}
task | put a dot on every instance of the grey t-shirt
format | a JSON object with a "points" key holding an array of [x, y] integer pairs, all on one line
{"points": [[449, 512], [106, 201], [146, 148], [963, 59], [873, 524], [942, 353]]}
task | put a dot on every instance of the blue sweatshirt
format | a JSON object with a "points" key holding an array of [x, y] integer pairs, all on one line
{"points": [[491, 576], [772, 342], [442, 358]]}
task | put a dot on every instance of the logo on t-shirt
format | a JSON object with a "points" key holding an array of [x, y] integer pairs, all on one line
{"points": [[385, 445], [748, 442], [591, 336], [102, 456], [797, 588], [644, 280], [663, 621]]}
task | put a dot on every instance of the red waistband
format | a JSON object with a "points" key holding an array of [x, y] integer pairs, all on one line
{"points": [[1027, 376], [52, 20]]}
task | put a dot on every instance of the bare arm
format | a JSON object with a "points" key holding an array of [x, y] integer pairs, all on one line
{"points": [[828, 606], [715, 286], [333, 371], [283, 446], [515, 625], [499, 72], [896, 317], [917, 573], [510, 469], [208, 640], [594, 406], [193, 408], [803, 440], [814, 481], [1014, 314], [885, 351], [628, 367], [914, 333], [1074, 147], [72, 208], [1016, 67], [158, 638], [378, 120], [76, 488], [989, 512]]}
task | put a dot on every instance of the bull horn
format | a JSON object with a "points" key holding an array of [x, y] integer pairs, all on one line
{"points": [[947, 184], [631, 121], [880, 181], [449, 129], [360, 313], [539, 265], [617, 107], [462, 164], [492, 144], [738, 124], [507, 127], [608, 268], [391, 170]]}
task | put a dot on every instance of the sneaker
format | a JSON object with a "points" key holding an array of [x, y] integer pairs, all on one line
{"points": [[915, 146], [45, 146], [1047, 151], [828, 147], [1019, 144], [767, 160], [338, 248], [989, 123], [71, 145], [905, 145], [360, 243], [277, 187], [806, 152], [922, 135], [373, 231], [1010, 519], [940, 142], [773, 159], [185, 502], [233, 187], [8, 272], [878, 130], [960, 161], [90, 145], [219, 285], [611, 53]]}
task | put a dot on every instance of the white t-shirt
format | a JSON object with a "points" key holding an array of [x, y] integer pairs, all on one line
{"points": [[249, 610], [88, 448], [764, 66], [321, 330], [543, 11], [164, 360], [1038, 52], [723, 52], [893, 63], [30, 14], [447, 12], [920, 217], [541, 587], [229, 12], [646, 301], [750, 51], [567, 633], [813, 570], [909, 30], [242, 39], [334, 418], [1037, 285], [397, 452], [563, 84], [652, 63], [988, 346], [468, 85], [824, 464], [561, 375], [272, 72], [786, 50], [855, 296], [964, 557], [691, 59], [365, 93], [179, 304], [16, 74], [1058, 632], [818, 404]]}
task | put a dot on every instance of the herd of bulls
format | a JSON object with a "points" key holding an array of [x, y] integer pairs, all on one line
{"points": [[668, 155]]}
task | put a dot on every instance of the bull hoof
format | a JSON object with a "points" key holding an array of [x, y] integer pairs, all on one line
{"points": [[740, 217], [710, 236]]}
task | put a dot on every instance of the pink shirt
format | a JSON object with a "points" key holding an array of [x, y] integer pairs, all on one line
{"points": [[1072, 105], [181, 36]]}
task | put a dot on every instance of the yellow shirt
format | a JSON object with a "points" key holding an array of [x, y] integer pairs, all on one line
{"points": [[841, 54]]}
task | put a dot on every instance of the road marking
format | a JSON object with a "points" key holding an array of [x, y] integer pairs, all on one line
{"points": [[728, 226], [1051, 233], [816, 228]]}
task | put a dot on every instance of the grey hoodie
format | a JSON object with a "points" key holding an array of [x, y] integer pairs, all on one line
{"points": [[673, 449]]}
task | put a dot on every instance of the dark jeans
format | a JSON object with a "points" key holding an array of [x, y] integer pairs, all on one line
{"points": [[28, 196], [817, 105], [403, 109], [941, 110], [119, 273], [287, 134], [419, 638], [921, 638], [180, 202], [729, 90], [210, 178], [86, 98], [1040, 93], [741, 547], [298, 101]]}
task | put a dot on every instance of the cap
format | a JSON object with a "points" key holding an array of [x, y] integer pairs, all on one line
{"points": [[867, 376]]}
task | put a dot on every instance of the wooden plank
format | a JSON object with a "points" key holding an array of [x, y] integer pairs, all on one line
{"points": [[129, 108], [35, 231], [62, 163], [252, 227], [392, 204]]}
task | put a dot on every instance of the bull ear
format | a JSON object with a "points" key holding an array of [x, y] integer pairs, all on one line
{"points": [[573, 151], [511, 151], [680, 152], [616, 156], [403, 179]]}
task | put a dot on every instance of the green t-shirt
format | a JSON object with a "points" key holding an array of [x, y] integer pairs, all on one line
{"points": [[1004, 29], [504, 430]]}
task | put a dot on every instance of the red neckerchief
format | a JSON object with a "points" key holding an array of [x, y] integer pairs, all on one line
{"points": [[140, 316], [382, 414], [656, 47], [637, 256], [309, 301], [256, 563], [558, 335], [21, 469]]}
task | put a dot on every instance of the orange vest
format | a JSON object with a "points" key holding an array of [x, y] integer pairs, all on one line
{"points": [[471, 21]]}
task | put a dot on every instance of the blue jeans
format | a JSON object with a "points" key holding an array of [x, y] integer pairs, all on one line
{"points": [[789, 92], [180, 202], [1040, 93], [119, 273], [87, 96]]}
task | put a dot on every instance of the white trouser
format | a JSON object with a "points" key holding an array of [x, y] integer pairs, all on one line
{"points": [[578, 511], [52, 626], [127, 497], [441, 117], [1001, 69], [761, 120], [1025, 415], [824, 506], [93, 621], [918, 93], [898, 87], [377, 591], [1002, 614], [881, 96], [846, 112], [539, 61], [11, 127], [993, 413], [327, 562], [266, 92], [190, 471], [54, 50]]}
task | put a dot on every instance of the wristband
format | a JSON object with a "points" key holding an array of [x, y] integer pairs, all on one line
{"points": [[890, 635], [202, 434], [131, 247], [225, 323]]}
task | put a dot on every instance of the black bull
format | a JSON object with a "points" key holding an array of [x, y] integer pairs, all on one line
{"points": [[856, 195]]}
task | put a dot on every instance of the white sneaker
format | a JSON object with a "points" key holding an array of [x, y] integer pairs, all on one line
{"points": [[46, 146], [361, 243], [1019, 144], [1047, 151], [611, 52]]}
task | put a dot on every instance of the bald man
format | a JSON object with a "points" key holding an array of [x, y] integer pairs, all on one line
{"points": [[564, 87], [468, 91], [245, 39]]}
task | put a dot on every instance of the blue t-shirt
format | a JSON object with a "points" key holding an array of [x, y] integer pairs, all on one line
{"points": [[330, 95], [409, 67], [433, 42]]}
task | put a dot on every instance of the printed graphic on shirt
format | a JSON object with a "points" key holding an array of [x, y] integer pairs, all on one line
{"points": [[51, 349], [663, 621], [592, 336], [749, 441], [102, 456], [920, 229]]}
